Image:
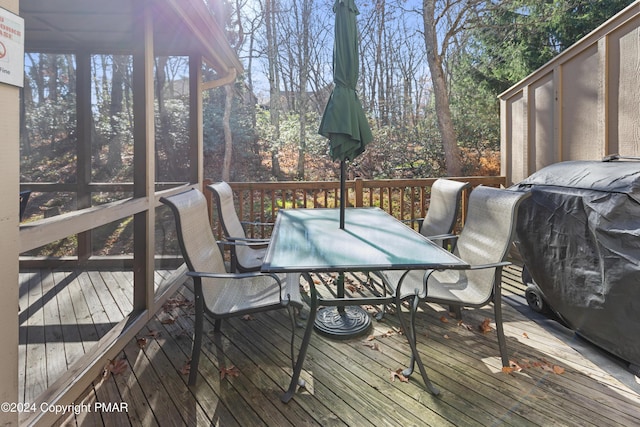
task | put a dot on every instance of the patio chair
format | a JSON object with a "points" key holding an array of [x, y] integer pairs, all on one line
{"points": [[220, 294], [24, 200], [440, 220], [444, 205], [484, 244], [246, 253]]}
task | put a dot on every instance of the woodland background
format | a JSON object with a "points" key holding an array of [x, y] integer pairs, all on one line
{"points": [[430, 74]]}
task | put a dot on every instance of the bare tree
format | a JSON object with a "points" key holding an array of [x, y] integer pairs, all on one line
{"points": [[443, 20], [271, 11], [120, 64]]}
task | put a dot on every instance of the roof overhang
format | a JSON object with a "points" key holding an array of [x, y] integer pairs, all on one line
{"points": [[181, 28]]}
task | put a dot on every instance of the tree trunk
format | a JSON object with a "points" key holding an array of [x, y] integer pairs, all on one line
{"points": [[443, 110], [303, 60], [114, 162], [274, 84], [228, 139]]}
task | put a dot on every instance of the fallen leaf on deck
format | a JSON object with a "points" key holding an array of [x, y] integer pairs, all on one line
{"points": [[558, 370], [373, 345], [465, 325], [351, 288], [185, 332], [248, 317], [515, 366], [114, 367], [231, 371], [371, 337], [142, 342], [398, 374], [524, 334], [444, 319], [445, 336], [485, 327], [186, 369], [154, 334], [168, 320], [172, 303], [391, 332]]}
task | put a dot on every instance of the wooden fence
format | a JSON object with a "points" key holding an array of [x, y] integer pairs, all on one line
{"points": [[405, 199]]}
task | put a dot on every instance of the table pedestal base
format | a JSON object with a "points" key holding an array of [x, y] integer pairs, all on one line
{"points": [[338, 324]]}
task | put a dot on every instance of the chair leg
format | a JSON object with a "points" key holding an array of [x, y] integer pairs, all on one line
{"points": [[502, 342], [411, 337], [304, 346], [294, 325], [456, 310], [380, 315], [197, 341], [497, 309]]}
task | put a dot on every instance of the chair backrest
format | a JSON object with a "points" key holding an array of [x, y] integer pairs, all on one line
{"points": [[444, 205], [24, 199], [488, 232], [227, 215], [197, 242]]}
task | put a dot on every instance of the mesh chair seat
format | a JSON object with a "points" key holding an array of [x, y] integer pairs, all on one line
{"points": [[255, 292]]}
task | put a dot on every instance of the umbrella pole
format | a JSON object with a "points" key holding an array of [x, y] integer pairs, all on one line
{"points": [[342, 208], [342, 193]]}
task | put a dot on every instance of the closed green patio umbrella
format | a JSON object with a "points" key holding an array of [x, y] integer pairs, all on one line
{"points": [[346, 126], [344, 121]]}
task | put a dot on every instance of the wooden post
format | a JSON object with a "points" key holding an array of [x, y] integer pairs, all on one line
{"points": [[359, 189], [83, 114], [9, 230], [144, 165]]}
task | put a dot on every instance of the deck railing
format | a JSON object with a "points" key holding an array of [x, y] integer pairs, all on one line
{"points": [[405, 199]]}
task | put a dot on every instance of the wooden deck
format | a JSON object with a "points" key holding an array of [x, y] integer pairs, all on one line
{"points": [[563, 381]]}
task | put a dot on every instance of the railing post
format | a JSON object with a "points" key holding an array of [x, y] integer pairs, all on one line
{"points": [[359, 190]]}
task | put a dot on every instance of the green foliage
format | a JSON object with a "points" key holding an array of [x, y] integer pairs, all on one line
{"points": [[509, 41], [475, 109], [514, 38], [241, 122]]}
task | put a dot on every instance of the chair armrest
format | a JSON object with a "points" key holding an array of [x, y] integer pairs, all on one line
{"points": [[257, 223], [232, 275], [242, 241], [447, 241], [411, 221], [246, 239], [469, 267], [492, 265], [443, 237]]}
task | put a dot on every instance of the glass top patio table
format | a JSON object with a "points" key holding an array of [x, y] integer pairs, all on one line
{"points": [[310, 240]]}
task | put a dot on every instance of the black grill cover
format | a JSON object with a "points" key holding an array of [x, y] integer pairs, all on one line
{"points": [[579, 236]]}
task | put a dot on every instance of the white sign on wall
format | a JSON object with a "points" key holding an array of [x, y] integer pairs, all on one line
{"points": [[11, 48]]}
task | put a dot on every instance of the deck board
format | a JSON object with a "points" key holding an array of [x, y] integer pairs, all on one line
{"points": [[348, 382]]}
